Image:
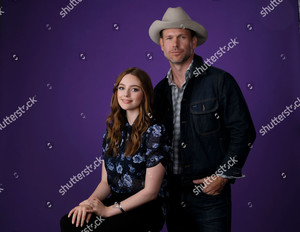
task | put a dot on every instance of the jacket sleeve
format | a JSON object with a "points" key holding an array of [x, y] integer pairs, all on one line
{"points": [[238, 126]]}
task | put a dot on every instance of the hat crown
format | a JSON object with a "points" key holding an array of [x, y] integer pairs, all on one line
{"points": [[176, 18], [175, 14]]}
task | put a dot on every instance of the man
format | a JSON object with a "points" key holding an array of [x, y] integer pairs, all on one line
{"points": [[210, 125]]}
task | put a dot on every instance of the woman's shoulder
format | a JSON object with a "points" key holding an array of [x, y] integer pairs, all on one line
{"points": [[156, 128]]}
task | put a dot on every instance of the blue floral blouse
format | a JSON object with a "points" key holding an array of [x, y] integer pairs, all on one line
{"points": [[126, 175]]}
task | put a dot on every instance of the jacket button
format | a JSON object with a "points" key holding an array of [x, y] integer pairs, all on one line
{"points": [[183, 145]]}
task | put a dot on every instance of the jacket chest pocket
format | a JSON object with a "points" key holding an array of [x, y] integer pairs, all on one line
{"points": [[205, 117]]}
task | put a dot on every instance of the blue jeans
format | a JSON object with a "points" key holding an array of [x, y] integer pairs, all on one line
{"points": [[189, 212]]}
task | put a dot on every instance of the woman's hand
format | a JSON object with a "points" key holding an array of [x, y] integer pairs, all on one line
{"points": [[96, 207], [80, 213]]}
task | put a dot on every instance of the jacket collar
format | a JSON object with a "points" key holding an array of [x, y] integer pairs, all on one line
{"points": [[188, 74], [193, 69], [198, 67]]}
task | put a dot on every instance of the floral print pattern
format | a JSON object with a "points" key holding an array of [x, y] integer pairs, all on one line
{"points": [[126, 175]]}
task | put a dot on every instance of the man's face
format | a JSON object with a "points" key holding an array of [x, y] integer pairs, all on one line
{"points": [[177, 45]]}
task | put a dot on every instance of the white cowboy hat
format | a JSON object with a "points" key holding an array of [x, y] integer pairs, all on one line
{"points": [[177, 18]]}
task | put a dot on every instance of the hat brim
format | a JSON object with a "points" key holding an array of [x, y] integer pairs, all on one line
{"points": [[158, 26]]}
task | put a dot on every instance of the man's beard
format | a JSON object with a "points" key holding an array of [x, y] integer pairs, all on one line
{"points": [[185, 58], [181, 61]]}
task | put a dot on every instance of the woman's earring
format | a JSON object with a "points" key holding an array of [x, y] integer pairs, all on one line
{"points": [[149, 115]]}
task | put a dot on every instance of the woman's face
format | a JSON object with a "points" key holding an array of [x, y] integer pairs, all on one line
{"points": [[130, 94]]}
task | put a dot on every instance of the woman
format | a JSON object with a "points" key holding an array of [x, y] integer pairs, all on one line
{"points": [[135, 152]]}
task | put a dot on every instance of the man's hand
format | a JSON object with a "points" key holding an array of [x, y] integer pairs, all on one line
{"points": [[213, 186]]}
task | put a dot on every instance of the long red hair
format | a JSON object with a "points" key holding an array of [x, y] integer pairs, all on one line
{"points": [[116, 121]]}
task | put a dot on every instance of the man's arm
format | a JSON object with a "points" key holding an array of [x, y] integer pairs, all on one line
{"points": [[240, 131], [239, 126]]}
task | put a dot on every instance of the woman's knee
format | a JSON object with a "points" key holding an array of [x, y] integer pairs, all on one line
{"points": [[65, 223]]}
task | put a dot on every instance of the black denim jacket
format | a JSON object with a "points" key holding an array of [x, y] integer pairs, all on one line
{"points": [[216, 127]]}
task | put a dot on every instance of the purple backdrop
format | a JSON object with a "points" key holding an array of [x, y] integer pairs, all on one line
{"points": [[64, 65]]}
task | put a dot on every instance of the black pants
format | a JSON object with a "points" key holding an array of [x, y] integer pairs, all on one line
{"points": [[188, 212], [148, 217]]}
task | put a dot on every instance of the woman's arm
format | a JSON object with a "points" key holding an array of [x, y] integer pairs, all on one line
{"points": [[103, 189], [153, 181], [80, 213]]}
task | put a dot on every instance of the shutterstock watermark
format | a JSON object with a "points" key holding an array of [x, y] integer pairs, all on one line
{"points": [[218, 54], [91, 227], [280, 118], [269, 8], [76, 178], [221, 170], [1, 11], [18, 113], [69, 7]]}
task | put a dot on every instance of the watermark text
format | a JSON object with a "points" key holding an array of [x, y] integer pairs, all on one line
{"points": [[78, 177], [91, 227], [218, 54], [269, 8], [280, 118], [69, 7], [18, 113], [221, 170]]}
